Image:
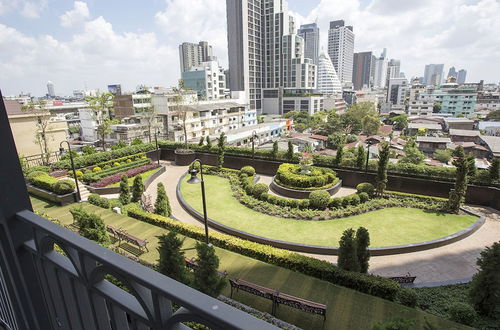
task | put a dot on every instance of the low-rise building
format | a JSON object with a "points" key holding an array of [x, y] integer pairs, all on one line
{"points": [[453, 99], [429, 144], [489, 101], [459, 123], [464, 135], [264, 132], [427, 128], [291, 100], [207, 79], [492, 143], [489, 127]]}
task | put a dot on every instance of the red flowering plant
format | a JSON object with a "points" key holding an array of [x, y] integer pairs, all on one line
{"points": [[117, 177]]}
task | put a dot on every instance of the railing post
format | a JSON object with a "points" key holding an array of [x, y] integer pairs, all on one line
{"points": [[16, 264]]}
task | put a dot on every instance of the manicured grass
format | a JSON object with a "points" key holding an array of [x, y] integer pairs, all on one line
{"points": [[144, 176], [391, 226], [347, 309]]}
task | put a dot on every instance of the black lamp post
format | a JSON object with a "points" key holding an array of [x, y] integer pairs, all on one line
{"points": [[157, 132], [61, 150], [367, 158], [194, 180], [254, 134]]}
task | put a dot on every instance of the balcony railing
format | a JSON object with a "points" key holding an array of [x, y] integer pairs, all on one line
{"points": [[42, 287]]}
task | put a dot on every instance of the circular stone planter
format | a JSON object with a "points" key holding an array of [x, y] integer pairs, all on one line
{"points": [[331, 250], [183, 158], [300, 194]]}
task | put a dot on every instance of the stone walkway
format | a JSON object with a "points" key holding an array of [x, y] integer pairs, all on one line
{"points": [[453, 262]]}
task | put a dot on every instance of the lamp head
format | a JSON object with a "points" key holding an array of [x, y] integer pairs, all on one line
{"points": [[61, 151], [194, 179]]}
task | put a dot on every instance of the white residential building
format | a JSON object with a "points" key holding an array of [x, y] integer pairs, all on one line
{"points": [[191, 54], [380, 79], [328, 81], [207, 79], [341, 49], [398, 91]]}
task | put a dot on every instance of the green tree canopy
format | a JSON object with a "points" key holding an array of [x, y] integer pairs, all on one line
{"points": [[171, 262], [206, 278]]}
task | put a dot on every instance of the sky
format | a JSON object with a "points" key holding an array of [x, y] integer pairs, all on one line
{"points": [[93, 43]]}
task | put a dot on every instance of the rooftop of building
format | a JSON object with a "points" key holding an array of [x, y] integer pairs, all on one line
{"points": [[493, 142], [433, 139], [464, 132], [424, 125]]}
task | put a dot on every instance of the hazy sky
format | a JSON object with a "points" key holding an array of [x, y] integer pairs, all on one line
{"points": [[94, 43]]}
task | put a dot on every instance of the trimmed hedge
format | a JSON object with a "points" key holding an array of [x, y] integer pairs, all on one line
{"points": [[374, 285], [45, 169], [95, 176], [45, 181], [289, 175], [97, 200], [319, 199], [100, 157]]}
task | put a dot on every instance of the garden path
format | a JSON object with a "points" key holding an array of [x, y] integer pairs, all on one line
{"points": [[455, 262]]}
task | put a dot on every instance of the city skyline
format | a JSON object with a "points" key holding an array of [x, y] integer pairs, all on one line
{"points": [[78, 44]]}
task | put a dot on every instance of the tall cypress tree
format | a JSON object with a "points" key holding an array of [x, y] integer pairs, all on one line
{"points": [[91, 226], [202, 139], [171, 262], [363, 254], [360, 157], [340, 154], [137, 188], [290, 153], [124, 190], [221, 150], [209, 142], [162, 204], [206, 278], [347, 257], [383, 161], [495, 169], [275, 150], [457, 195]]}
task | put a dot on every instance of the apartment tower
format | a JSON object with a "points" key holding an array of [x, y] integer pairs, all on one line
{"points": [[341, 49]]}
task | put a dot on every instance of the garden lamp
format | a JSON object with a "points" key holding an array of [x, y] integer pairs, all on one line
{"points": [[194, 180], [61, 151]]}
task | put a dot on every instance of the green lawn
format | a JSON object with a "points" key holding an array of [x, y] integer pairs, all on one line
{"points": [[391, 226], [144, 176], [347, 309]]}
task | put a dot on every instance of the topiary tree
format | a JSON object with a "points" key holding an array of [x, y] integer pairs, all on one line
{"points": [[495, 169], [206, 278], [162, 204], [91, 226], [485, 286], [339, 155], [248, 170], [289, 152], [171, 262], [202, 139], [366, 187], [347, 255], [137, 188], [259, 189], [209, 142], [124, 190], [363, 254], [457, 195], [360, 157], [275, 150], [382, 168], [220, 150], [319, 199]]}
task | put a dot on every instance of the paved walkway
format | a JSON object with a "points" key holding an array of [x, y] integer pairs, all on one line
{"points": [[452, 262]]}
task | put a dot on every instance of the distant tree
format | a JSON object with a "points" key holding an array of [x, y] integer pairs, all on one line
{"points": [[422, 131], [209, 142], [171, 262], [443, 155], [334, 140], [260, 119], [457, 195], [89, 150], [383, 162], [220, 150], [339, 155], [137, 188], [182, 100], [90, 225], [485, 285], [137, 141], [41, 118], [363, 253], [347, 254], [472, 165], [118, 145], [124, 190], [308, 149], [360, 157], [202, 139], [275, 150], [371, 125], [400, 122], [290, 153], [495, 169], [206, 278], [101, 106], [436, 107], [493, 116], [162, 204], [412, 156]]}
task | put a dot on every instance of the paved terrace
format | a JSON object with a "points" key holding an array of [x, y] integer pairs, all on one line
{"points": [[452, 263]]}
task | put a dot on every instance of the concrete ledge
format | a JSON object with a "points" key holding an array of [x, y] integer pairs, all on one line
{"points": [[300, 194], [184, 159], [331, 250], [52, 197], [116, 190]]}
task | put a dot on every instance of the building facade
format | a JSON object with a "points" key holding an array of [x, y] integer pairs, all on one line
{"points": [[453, 99], [461, 76], [398, 91], [50, 89], [208, 80], [341, 49], [394, 69], [191, 54], [380, 73], [310, 34], [433, 74], [364, 70], [328, 82]]}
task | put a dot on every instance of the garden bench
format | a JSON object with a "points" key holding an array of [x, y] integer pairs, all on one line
{"points": [[405, 279], [193, 264], [279, 298], [129, 238], [115, 232]]}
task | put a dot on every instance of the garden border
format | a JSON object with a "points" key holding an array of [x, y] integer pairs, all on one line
{"points": [[300, 194], [332, 250], [116, 190], [52, 197]]}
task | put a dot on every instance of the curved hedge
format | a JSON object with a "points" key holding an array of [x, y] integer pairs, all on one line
{"points": [[288, 175], [324, 270]]}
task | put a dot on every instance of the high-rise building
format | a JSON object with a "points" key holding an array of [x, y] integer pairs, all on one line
{"points": [[364, 70], [191, 54], [433, 74], [452, 73], [380, 77], [266, 57], [50, 89], [397, 91], [310, 34], [341, 49], [461, 76], [208, 80], [394, 69], [328, 81]]}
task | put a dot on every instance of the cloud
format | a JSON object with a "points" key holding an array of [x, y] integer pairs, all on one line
{"points": [[77, 16], [33, 9]]}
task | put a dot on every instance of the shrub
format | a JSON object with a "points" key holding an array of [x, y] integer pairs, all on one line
{"points": [[171, 262], [407, 297], [462, 313], [319, 199], [249, 188], [116, 164], [91, 226], [289, 175], [347, 253], [137, 188], [363, 254], [63, 187], [97, 200], [363, 197], [44, 169], [162, 204], [97, 169], [355, 200], [366, 187], [346, 201], [259, 188], [34, 174], [374, 285], [129, 160], [248, 170], [206, 278], [79, 174], [335, 203], [124, 190], [130, 172], [396, 324]]}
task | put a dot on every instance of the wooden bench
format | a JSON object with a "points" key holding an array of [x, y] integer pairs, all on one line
{"points": [[405, 279], [115, 232], [193, 264], [122, 235], [279, 298]]}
